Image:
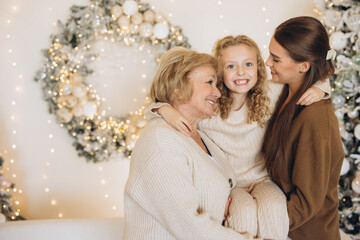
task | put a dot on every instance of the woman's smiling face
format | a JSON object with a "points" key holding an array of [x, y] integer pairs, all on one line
{"points": [[283, 68]]}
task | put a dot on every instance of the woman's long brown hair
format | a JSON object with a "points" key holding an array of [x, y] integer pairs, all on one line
{"points": [[305, 40]]}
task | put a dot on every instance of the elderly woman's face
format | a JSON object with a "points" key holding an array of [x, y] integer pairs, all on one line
{"points": [[205, 92]]}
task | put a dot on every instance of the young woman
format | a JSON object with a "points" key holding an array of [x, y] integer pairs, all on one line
{"points": [[302, 145]]}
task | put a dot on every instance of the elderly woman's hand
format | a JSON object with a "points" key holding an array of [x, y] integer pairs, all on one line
{"points": [[176, 120]]}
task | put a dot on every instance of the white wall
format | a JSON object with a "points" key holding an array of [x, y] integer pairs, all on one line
{"points": [[79, 188]]}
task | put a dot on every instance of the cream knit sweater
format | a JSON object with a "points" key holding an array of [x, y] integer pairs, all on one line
{"points": [[174, 190], [242, 141]]}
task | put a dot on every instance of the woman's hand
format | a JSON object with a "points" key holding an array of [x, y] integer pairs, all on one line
{"points": [[226, 213], [176, 120], [313, 94]]}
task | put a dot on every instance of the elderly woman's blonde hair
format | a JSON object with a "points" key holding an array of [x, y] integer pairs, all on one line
{"points": [[256, 99], [171, 81]]}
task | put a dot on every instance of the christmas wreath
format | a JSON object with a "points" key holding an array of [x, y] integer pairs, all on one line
{"points": [[63, 77]]}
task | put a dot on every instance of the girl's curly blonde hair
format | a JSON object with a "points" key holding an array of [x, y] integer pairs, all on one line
{"points": [[256, 99]]}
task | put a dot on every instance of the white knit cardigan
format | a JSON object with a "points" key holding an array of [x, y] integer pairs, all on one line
{"points": [[174, 190]]}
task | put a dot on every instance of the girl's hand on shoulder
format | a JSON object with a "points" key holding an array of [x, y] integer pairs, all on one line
{"points": [[313, 94], [176, 120]]}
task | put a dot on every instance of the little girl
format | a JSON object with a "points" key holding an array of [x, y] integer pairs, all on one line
{"points": [[247, 102]]}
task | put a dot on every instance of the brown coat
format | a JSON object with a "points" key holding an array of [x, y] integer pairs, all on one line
{"points": [[315, 153]]}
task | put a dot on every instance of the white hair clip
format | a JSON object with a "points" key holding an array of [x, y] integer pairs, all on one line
{"points": [[331, 54]]}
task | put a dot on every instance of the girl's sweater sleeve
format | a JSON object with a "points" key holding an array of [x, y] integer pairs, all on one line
{"points": [[325, 87], [150, 113]]}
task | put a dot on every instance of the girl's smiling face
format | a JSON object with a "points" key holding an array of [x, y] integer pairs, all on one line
{"points": [[239, 68]]}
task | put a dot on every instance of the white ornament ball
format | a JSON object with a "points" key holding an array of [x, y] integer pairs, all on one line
{"points": [[79, 90], [66, 88], [64, 115], [77, 78], [357, 131], [345, 167], [353, 22], [134, 29], [161, 31], [160, 17], [353, 113], [355, 184], [116, 11], [78, 110], [145, 29], [61, 100], [89, 109], [4, 183], [137, 18], [71, 101], [338, 40], [332, 18], [149, 16], [123, 22], [130, 7]]}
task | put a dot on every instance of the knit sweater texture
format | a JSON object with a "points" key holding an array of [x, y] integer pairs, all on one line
{"points": [[174, 190], [242, 141]]}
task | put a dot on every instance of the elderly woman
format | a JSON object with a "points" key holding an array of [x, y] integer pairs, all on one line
{"points": [[178, 186]]}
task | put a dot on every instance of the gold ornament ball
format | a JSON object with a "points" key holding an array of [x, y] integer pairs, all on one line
{"points": [[116, 11], [149, 16]]}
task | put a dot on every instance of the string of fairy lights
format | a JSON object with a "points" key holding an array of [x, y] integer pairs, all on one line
{"points": [[7, 174], [103, 180]]}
